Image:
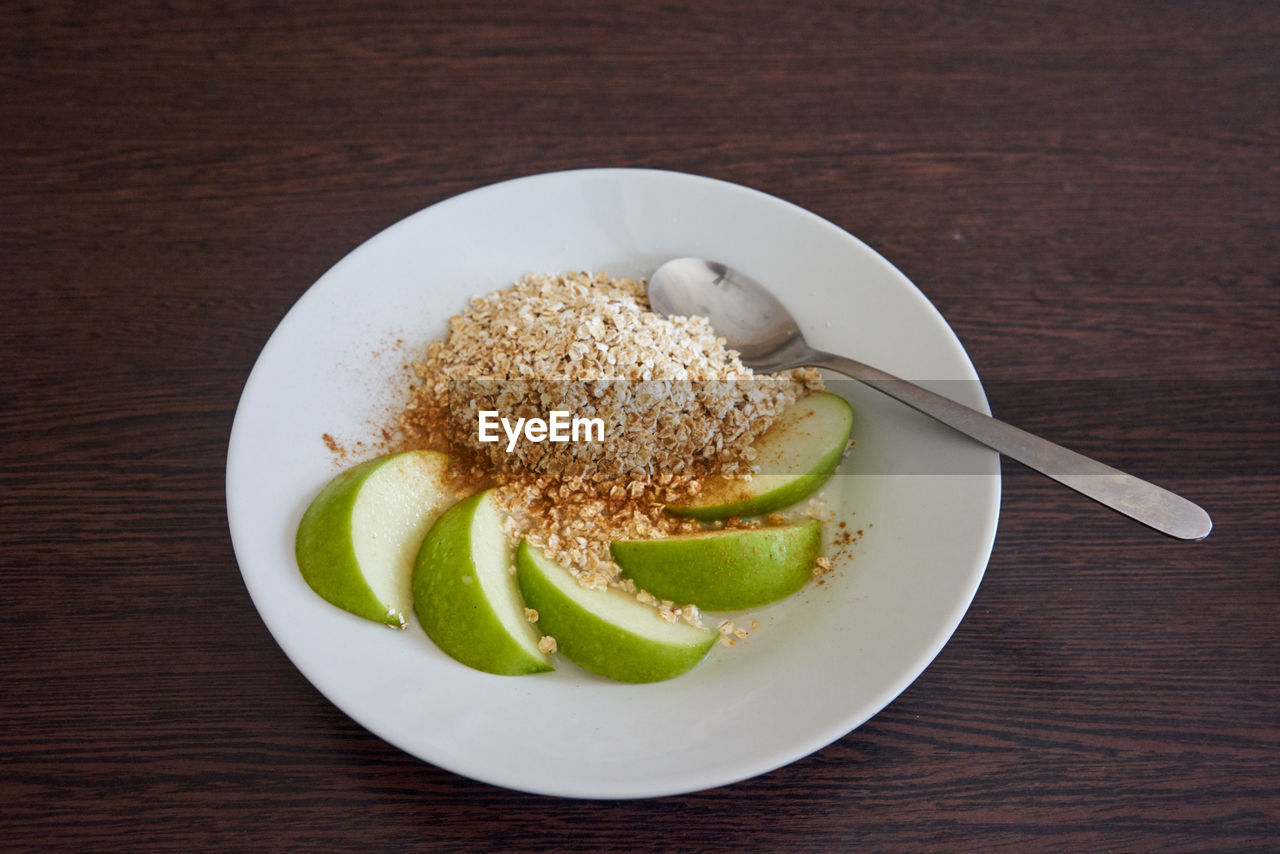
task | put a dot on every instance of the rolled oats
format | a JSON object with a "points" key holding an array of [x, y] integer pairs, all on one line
{"points": [[677, 405]]}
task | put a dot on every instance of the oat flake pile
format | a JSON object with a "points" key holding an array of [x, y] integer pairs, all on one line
{"points": [[676, 404]]}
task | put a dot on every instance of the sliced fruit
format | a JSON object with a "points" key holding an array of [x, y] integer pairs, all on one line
{"points": [[466, 597], [724, 570], [795, 456], [356, 543], [607, 631]]}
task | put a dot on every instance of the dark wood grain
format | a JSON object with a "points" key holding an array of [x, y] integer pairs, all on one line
{"points": [[1087, 191]]}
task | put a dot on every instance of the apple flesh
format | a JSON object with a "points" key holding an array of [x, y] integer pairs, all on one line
{"points": [[795, 456], [725, 570], [356, 543], [466, 597], [607, 631]]}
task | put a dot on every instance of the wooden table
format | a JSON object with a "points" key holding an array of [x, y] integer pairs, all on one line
{"points": [[1087, 191]]}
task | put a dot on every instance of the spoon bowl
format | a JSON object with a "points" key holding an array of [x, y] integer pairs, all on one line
{"points": [[741, 310], [768, 340]]}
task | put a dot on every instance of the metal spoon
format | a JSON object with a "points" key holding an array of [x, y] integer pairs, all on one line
{"points": [[768, 340]]}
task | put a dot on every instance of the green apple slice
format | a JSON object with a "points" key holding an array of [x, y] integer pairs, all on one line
{"points": [[608, 631], [725, 570], [795, 456], [356, 543], [466, 597]]}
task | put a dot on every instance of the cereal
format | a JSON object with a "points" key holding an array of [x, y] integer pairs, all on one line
{"points": [[673, 398], [676, 403], [731, 633]]}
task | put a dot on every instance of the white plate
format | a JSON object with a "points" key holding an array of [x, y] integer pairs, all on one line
{"points": [[820, 663]]}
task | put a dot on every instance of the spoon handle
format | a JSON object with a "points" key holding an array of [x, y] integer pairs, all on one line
{"points": [[1147, 503]]}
